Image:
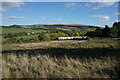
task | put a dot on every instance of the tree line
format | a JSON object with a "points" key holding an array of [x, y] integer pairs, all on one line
{"points": [[43, 36], [113, 32]]}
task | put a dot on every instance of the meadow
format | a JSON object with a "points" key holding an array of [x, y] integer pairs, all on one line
{"points": [[26, 36], [93, 58], [18, 30]]}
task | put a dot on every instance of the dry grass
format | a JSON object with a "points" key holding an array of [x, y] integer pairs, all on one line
{"points": [[94, 60], [43, 66]]}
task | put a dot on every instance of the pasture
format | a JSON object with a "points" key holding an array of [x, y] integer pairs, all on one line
{"points": [[27, 36], [18, 30]]}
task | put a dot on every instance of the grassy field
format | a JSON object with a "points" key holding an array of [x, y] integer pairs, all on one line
{"points": [[94, 58], [43, 28], [27, 36], [18, 30]]}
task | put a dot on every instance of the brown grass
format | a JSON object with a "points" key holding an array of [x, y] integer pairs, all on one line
{"points": [[43, 66], [95, 61]]}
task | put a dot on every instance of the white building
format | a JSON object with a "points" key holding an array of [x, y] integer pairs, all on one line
{"points": [[33, 32], [28, 33]]}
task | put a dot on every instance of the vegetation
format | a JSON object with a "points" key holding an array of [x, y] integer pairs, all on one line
{"points": [[19, 30], [115, 30], [106, 32], [35, 33], [95, 58], [40, 55]]}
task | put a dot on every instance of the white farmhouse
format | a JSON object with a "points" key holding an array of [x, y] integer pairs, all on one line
{"points": [[28, 33], [33, 32]]}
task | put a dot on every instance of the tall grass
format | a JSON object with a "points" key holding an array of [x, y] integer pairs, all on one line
{"points": [[63, 59], [43, 66]]}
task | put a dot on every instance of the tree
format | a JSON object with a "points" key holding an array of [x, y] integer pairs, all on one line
{"points": [[10, 35], [81, 34], [42, 37], [106, 31], [20, 41], [54, 36], [70, 33], [60, 34], [90, 34], [76, 33], [11, 40], [47, 37], [16, 26], [118, 29], [115, 30], [98, 32]]}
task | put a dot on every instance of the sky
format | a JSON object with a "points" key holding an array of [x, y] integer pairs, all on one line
{"points": [[86, 13]]}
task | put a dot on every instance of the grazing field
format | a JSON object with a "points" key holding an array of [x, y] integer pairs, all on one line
{"points": [[18, 30], [35, 33], [26, 36], [94, 58]]}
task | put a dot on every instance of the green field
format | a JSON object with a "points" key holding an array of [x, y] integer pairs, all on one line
{"points": [[27, 36], [18, 30], [43, 28], [19, 33]]}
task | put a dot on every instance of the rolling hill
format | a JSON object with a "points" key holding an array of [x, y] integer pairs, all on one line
{"points": [[47, 27]]}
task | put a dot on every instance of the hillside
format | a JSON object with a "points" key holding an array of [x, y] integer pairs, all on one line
{"points": [[35, 33], [47, 27]]}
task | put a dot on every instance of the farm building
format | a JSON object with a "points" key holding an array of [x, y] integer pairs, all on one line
{"points": [[72, 38], [28, 33]]}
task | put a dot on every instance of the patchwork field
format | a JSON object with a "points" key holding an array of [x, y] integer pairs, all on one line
{"points": [[94, 58], [18, 30]]}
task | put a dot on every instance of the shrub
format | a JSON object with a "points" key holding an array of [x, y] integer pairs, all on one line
{"points": [[88, 38], [90, 34], [47, 37], [20, 41], [4, 40], [53, 36], [76, 33], [43, 37], [11, 40]]}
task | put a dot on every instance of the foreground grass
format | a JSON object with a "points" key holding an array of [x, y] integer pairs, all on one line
{"points": [[63, 59], [43, 66]]}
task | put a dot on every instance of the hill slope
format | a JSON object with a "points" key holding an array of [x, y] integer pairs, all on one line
{"points": [[48, 27]]}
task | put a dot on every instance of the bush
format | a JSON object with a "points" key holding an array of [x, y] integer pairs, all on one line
{"points": [[90, 34], [53, 36], [43, 37], [88, 38], [47, 37], [11, 40], [20, 41], [4, 40], [10, 35]]}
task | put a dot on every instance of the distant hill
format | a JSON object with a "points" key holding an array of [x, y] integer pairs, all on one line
{"points": [[52, 27]]}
